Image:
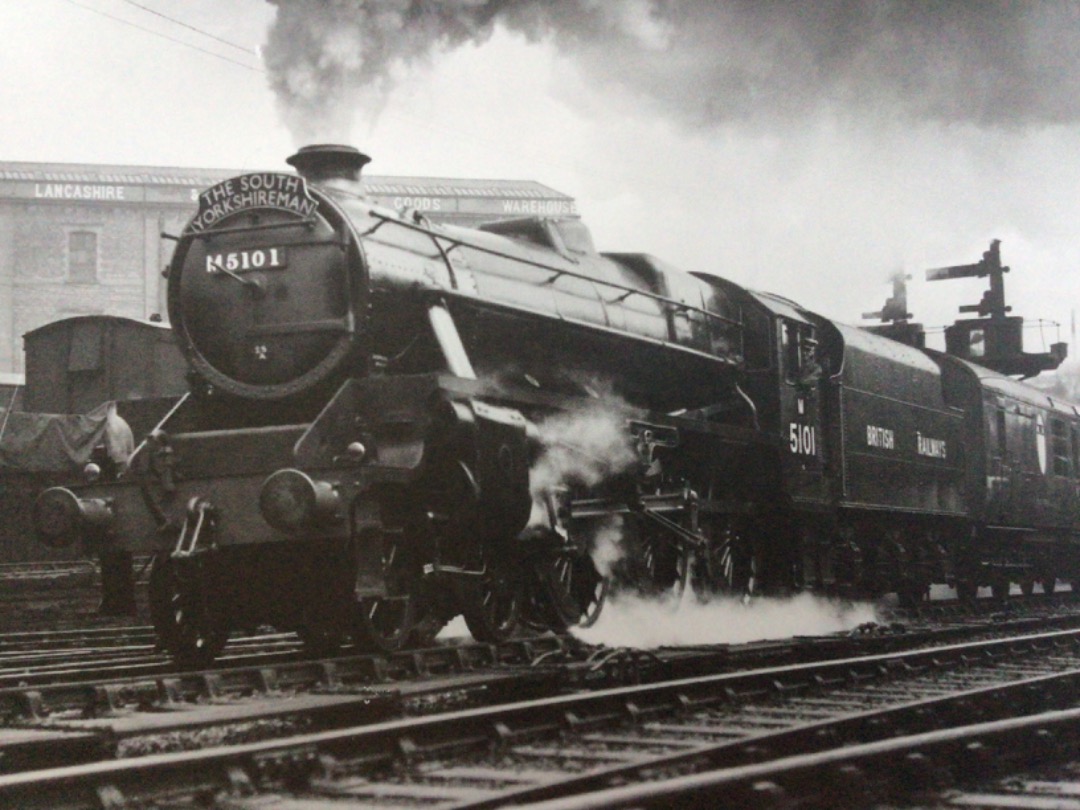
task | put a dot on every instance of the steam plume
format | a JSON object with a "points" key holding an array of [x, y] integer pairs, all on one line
{"points": [[991, 63], [648, 623], [582, 447]]}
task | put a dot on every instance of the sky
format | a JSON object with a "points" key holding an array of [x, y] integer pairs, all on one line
{"points": [[811, 152]]}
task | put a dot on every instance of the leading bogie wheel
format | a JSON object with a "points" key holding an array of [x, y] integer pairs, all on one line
{"points": [[384, 623], [190, 623]]}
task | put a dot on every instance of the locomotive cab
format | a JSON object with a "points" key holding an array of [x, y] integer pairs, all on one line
{"points": [[784, 372]]}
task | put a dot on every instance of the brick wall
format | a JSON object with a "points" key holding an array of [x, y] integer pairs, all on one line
{"points": [[35, 264]]}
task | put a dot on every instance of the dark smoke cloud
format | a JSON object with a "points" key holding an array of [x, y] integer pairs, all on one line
{"points": [[985, 62], [333, 60]]}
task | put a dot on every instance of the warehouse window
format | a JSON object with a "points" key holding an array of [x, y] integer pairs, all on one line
{"points": [[82, 257]]}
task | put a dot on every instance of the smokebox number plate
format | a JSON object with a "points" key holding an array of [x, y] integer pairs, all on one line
{"points": [[241, 261]]}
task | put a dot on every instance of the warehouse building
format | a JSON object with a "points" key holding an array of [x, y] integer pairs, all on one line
{"points": [[84, 239]]}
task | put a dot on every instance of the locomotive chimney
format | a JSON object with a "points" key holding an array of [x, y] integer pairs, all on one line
{"points": [[325, 162]]}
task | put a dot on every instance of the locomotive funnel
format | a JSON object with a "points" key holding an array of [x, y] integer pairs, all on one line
{"points": [[328, 161]]}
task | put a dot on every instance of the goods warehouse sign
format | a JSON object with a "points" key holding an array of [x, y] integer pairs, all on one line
{"points": [[281, 192]]}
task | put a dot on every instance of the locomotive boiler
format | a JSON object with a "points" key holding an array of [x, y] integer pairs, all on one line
{"points": [[367, 399]]}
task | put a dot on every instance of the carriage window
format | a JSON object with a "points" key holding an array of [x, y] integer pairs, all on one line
{"points": [[1059, 431], [1002, 443]]}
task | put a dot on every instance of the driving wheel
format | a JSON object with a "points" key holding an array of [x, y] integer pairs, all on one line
{"points": [[571, 591], [492, 602], [729, 564]]}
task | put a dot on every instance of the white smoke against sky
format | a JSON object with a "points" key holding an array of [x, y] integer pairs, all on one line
{"points": [[770, 143], [994, 63]]}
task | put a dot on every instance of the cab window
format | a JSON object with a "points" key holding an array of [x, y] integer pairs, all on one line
{"points": [[799, 351]]}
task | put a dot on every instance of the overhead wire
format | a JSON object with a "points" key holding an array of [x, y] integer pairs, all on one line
{"points": [[535, 156], [143, 28], [414, 120], [190, 27]]}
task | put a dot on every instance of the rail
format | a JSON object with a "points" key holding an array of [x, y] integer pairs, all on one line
{"points": [[327, 763]]}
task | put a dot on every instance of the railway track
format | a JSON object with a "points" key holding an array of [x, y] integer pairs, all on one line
{"points": [[41, 670], [89, 695], [578, 747], [39, 667]]}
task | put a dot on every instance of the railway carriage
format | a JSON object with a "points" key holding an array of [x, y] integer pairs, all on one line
{"points": [[1022, 452]]}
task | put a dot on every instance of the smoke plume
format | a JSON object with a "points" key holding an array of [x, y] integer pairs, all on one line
{"points": [[991, 63]]}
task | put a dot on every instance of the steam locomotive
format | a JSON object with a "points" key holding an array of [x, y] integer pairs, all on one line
{"points": [[391, 423]]}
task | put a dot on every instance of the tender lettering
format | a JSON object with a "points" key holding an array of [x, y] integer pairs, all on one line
{"points": [[883, 438], [802, 439], [933, 448]]}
